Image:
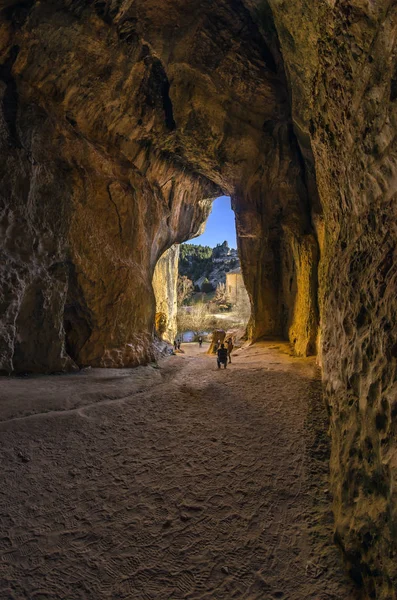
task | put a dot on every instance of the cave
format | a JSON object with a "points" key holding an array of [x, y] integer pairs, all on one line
{"points": [[122, 121]]}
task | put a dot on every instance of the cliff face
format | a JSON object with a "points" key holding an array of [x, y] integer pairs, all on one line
{"points": [[120, 121], [165, 279]]}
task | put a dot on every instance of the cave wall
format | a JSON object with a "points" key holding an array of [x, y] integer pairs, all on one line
{"points": [[165, 279], [121, 121], [86, 211], [341, 64], [35, 211], [116, 261], [278, 246], [151, 119], [299, 273]]}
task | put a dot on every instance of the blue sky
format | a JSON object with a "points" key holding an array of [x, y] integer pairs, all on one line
{"points": [[220, 225]]}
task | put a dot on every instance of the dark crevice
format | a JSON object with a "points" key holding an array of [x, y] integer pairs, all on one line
{"points": [[157, 89], [31, 318], [104, 10], [71, 121], [254, 37], [117, 211], [267, 57], [10, 97], [393, 88], [167, 106], [18, 13]]}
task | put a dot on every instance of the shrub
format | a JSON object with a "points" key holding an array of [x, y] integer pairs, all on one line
{"points": [[184, 289], [195, 319]]}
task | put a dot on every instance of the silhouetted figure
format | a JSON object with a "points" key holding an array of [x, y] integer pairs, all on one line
{"points": [[175, 344], [200, 341], [222, 356], [179, 344], [229, 349]]}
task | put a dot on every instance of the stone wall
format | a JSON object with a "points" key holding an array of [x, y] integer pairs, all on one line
{"points": [[235, 288]]}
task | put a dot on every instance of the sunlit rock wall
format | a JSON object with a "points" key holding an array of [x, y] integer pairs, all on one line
{"points": [[298, 303], [278, 247], [114, 263], [86, 208], [165, 279], [341, 63]]}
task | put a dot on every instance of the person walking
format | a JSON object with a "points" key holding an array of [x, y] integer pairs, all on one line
{"points": [[175, 345], [229, 349], [200, 341], [179, 344], [222, 356]]}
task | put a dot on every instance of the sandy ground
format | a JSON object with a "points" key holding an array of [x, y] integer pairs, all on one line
{"points": [[181, 481]]}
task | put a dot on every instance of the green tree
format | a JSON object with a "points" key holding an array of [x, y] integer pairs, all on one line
{"points": [[195, 261]]}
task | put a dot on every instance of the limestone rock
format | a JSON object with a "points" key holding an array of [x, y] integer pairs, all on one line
{"points": [[121, 121], [341, 65], [218, 335], [165, 279]]}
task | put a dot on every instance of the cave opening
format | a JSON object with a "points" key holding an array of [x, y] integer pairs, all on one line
{"points": [[208, 279], [211, 294], [276, 223], [220, 225]]}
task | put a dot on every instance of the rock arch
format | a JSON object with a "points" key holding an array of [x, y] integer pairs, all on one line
{"points": [[120, 122]]}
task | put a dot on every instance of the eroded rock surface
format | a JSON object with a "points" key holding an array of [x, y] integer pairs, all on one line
{"points": [[341, 61], [165, 280], [120, 122], [95, 206]]}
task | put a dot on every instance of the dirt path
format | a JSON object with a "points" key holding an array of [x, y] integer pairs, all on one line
{"points": [[168, 483]]}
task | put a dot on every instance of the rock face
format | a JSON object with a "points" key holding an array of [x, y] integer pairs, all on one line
{"points": [[120, 121], [341, 61], [165, 280], [235, 288], [203, 263], [86, 209]]}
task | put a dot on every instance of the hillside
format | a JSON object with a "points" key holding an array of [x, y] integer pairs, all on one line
{"points": [[202, 263]]}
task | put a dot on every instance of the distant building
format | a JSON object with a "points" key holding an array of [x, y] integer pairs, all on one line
{"points": [[235, 287]]}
